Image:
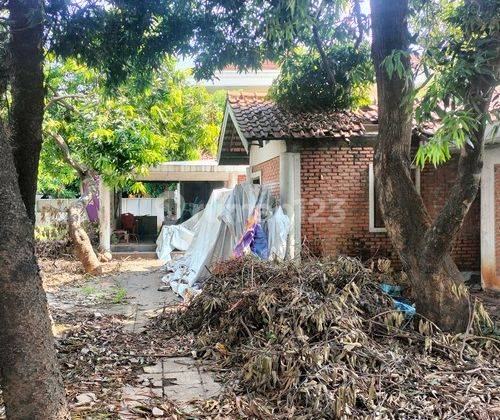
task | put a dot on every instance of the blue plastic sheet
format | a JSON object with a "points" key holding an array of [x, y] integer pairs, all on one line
{"points": [[259, 244], [399, 303]]}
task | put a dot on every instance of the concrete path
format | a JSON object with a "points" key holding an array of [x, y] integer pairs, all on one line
{"points": [[133, 292], [143, 300]]}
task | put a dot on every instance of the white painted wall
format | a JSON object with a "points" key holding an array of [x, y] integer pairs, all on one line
{"points": [[489, 263], [144, 207], [290, 198], [270, 150]]}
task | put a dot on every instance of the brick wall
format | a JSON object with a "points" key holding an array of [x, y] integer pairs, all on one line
{"points": [[270, 174], [435, 185], [335, 209]]}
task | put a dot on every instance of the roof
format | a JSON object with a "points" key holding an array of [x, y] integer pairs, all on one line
{"points": [[253, 118], [259, 118], [192, 170]]}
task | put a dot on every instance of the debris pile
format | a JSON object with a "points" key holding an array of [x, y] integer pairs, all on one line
{"points": [[321, 340], [54, 249]]}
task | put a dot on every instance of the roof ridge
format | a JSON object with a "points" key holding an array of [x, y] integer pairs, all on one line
{"points": [[246, 95]]}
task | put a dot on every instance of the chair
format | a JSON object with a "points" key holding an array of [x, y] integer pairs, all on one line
{"points": [[129, 224]]}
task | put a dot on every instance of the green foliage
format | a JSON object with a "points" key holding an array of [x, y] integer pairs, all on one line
{"points": [[288, 23], [393, 64], [304, 83], [132, 37], [148, 189], [123, 135], [460, 41], [54, 232], [119, 295], [124, 38], [454, 130]]}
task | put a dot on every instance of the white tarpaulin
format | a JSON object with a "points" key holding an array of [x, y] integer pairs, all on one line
{"points": [[177, 237], [221, 226], [278, 227]]}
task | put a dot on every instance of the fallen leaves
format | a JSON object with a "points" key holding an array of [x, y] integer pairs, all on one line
{"points": [[319, 339]]}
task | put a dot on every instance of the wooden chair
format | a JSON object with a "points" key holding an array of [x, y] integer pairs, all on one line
{"points": [[129, 224]]}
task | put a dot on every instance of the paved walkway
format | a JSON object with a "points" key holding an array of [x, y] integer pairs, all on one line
{"points": [[181, 378]]}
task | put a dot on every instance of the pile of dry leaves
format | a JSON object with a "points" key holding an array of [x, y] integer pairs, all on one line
{"points": [[319, 340]]}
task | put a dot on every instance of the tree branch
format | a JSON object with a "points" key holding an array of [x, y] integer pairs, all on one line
{"points": [[328, 65], [359, 21], [83, 170], [62, 98]]}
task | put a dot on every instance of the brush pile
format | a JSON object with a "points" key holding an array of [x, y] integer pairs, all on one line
{"points": [[319, 340]]}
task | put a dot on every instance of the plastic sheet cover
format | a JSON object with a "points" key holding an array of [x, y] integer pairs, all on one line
{"points": [[220, 227], [176, 237]]}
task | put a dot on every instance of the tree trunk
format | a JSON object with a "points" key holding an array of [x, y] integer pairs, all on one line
{"points": [[28, 94], [31, 381], [405, 217], [81, 242], [83, 248]]}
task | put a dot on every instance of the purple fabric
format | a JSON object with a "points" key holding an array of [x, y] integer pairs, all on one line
{"points": [[244, 242], [93, 206]]}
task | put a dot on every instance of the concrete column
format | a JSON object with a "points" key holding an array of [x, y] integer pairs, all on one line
{"points": [[232, 181], [290, 199], [178, 199], [104, 217], [489, 278]]}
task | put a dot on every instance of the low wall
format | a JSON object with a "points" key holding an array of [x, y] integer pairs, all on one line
{"points": [[52, 210]]}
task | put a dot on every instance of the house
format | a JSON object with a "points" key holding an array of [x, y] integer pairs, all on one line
{"points": [[319, 165], [195, 179]]}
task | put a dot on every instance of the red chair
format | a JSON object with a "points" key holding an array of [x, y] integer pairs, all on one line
{"points": [[129, 224]]}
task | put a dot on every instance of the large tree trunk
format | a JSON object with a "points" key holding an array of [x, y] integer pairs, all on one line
{"points": [[28, 94], [31, 381], [405, 217]]}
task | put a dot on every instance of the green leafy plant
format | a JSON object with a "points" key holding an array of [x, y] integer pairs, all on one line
{"points": [[120, 136], [304, 82], [119, 295]]}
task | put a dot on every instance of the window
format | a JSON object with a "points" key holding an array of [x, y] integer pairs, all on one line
{"points": [[257, 178], [375, 216]]}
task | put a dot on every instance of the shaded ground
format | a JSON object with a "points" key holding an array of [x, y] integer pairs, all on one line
{"points": [[112, 366]]}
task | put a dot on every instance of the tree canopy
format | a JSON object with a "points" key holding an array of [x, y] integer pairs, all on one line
{"points": [[121, 135], [304, 82]]}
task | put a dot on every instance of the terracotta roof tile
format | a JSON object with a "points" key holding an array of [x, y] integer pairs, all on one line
{"points": [[261, 119]]}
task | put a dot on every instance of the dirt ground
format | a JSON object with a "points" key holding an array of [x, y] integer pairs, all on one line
{"points": [[113, 365]]}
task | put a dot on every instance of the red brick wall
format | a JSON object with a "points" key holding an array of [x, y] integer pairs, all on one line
{"points": [[270, 174], [335, 209], [497, 219], [435, 185]]}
